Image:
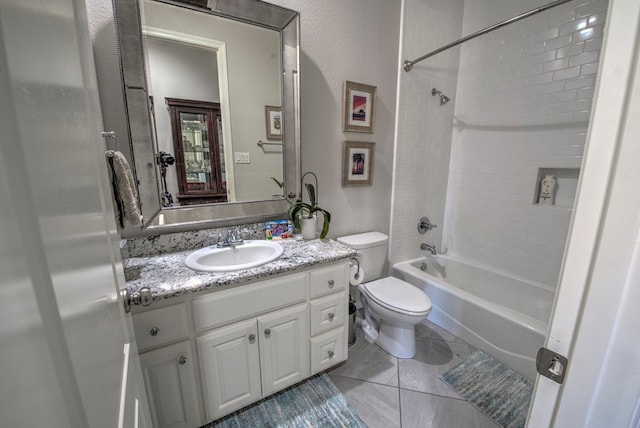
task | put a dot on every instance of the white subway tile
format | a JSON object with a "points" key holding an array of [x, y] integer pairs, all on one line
{"points": [[552, 87], [588, 69], [558, 64], [562, 18], [558, 42], [583, 58], [543, 57], [570, 50], [546, 35], [580, 82], [586, 93], [566, 73], [573, 26], [591, 8]]}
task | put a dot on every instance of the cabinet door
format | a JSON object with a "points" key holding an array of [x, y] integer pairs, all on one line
{"points": [[229, 361], [284, 348], [171, 386]]}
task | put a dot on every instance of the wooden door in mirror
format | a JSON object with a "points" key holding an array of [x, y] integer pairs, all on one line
{"points": [[197, 141]]}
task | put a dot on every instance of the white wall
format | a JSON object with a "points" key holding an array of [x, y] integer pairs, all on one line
{"points": [[523, 102], [358, 41], [424, 127]]}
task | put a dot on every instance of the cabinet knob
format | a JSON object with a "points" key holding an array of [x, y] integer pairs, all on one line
{"points": [[331, 316], [331, 283], [154, 331], [182, 360], [331, 354], [267, 332], [252, 338]]}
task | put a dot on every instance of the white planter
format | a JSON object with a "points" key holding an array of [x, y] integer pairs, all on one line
{"points": [[309, 227]]}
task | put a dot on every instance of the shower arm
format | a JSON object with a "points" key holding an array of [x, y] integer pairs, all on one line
{"points": [[408, 65]]}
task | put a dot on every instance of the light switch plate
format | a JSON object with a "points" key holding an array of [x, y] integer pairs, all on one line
{"points": [[242, 157]]}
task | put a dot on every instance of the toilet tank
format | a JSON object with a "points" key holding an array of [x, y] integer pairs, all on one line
{"points": [[372, 249]]}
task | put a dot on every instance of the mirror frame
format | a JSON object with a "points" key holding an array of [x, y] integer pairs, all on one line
{"points": [[159, 220]]}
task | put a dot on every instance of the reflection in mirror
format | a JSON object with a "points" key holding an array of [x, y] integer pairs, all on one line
{"points": [[210, 80]]}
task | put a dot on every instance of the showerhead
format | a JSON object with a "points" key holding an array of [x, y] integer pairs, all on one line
{"points": [[443, 98]]}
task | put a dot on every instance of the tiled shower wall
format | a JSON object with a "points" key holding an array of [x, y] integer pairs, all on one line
{"points": [[423, 141], [523, 103]]}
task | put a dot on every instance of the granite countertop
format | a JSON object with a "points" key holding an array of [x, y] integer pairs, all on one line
{"points": [[167, 276]]}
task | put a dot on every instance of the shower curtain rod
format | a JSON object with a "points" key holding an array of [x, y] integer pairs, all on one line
{"points": [[408, 65]]}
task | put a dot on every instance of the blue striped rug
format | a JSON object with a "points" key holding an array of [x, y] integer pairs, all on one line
{"points": [[493, 388], [314, 403]]}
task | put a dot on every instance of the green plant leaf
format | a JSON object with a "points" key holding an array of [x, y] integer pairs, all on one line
{"points": [[326, 219], [312, 194]]}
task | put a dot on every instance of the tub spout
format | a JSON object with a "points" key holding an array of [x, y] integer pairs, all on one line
{"points": [[430, 248]]}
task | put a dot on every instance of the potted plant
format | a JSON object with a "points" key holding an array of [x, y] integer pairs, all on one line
{"points": [[304, 216]]}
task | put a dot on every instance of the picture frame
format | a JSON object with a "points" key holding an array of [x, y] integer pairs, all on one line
{"points": [[357, 163], [273, 121], [359, 107]]}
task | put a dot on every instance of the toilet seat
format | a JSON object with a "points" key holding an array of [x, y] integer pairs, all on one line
{"points": [[397, 295]]}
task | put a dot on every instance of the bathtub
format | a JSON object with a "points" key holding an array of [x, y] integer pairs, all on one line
{"points": [[505, 316]]}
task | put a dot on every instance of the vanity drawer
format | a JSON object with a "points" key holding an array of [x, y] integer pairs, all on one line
{"points": [[328, 349], [160, 326], [225, 307], [330, 279], [328, 313]]}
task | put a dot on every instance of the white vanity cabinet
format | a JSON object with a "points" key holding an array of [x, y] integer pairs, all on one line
{"points": [[329, 291], [168, 371], [252, 359], [171, 386], [224, 350]]}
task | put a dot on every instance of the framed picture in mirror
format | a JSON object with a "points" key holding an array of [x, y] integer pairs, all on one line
{"points": [[359, 107], [273, 116], [357, 163]]}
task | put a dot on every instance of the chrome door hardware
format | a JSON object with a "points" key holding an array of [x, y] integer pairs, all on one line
{"points": [[154, 331], [142, 297], [331, 316], [424, 225], [182, 360], [252, 338], [551, 365], [267, 333]]}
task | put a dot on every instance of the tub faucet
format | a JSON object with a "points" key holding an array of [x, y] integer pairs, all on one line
{"points": [[429, 248]]}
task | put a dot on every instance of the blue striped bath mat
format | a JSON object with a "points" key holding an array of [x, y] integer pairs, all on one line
{"points": [[493, 388], [314, 403]]}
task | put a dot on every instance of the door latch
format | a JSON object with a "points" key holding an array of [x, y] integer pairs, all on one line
{"points": [[142, 297], [551, 365]]}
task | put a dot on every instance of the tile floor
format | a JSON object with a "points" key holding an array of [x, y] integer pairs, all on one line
{"points": [[390, 392]]}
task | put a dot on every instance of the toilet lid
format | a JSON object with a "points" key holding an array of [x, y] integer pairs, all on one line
{"points": [[398, 295]]}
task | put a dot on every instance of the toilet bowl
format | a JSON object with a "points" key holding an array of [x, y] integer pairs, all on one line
{"points": [[392, 307]]}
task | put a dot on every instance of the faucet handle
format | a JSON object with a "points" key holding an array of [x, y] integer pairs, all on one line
{"points": [[425, 225]]}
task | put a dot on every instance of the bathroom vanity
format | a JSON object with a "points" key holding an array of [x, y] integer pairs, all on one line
{"points": [[212, 343]]}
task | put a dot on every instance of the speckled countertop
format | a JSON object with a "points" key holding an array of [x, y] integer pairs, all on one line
{"points": [[167, 276]]}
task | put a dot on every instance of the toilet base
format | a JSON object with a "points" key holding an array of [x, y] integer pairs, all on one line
{"points": [[399, 341]]}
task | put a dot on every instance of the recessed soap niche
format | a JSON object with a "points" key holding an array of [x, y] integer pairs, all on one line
{"points": [[566, 186]]}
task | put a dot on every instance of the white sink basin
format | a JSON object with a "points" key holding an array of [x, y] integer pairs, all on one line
{"points": [[245, 256]]}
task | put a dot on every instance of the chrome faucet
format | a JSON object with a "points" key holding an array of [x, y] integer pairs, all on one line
{"points": [[229, 240], [429, 248]]}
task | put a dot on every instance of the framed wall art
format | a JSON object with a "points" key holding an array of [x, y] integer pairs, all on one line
{"points": [[357, 163], [273, 117], [359, 107]]}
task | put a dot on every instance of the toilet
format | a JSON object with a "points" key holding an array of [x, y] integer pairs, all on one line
{"points": [[392, 307]]}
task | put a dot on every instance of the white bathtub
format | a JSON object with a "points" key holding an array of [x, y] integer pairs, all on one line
{"points": [[501, 314]]}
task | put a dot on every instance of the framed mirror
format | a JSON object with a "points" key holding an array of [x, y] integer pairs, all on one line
{"points": [[211, 90]]}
